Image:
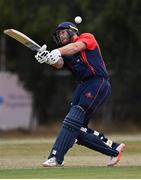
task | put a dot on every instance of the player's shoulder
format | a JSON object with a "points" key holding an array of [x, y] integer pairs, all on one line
{"points": [[87, 35]]}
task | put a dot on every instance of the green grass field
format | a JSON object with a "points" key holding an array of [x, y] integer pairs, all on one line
{"points": [[23, 157]]}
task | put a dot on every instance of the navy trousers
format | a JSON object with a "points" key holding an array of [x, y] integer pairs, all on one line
{"points": [[90, 95]]}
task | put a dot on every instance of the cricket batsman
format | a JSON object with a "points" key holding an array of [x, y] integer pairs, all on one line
{"points": [[81, 54]]}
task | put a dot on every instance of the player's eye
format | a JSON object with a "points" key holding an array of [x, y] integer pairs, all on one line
{"points": [[62, 32]]}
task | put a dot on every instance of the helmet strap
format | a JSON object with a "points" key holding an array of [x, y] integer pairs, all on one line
{"points": [[71, 33]]}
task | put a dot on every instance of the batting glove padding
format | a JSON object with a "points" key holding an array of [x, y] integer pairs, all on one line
{"points": [[43, 48], [42, 57]]}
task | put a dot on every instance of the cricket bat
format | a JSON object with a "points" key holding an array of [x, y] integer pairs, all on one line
{"points": [[22, 38]]}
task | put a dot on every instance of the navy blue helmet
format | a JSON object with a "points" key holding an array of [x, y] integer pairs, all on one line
{"points": [[71, 27]]}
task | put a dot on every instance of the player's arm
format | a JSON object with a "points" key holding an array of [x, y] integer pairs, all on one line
{"points": [[68, 50], [86, 41], [59, 64], [72, 48]]}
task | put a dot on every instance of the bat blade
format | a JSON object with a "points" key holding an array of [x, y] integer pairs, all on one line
{"points": [[22, 38]]}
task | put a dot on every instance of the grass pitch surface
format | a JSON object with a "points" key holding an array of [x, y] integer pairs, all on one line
{"points": [[73, 173], [23, 157]]}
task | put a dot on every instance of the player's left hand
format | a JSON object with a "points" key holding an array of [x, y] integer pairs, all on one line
{"points": [[43, 48], [42, 56]]}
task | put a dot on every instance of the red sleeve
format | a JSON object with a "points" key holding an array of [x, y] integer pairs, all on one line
{"points": [[88, 39]]}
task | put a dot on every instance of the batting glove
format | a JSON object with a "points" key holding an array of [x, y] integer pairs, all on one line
{"points": [[42, 57], [53, 57], [43, 48], [42, 54]]}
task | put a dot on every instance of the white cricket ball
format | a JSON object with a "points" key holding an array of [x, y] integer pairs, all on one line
{"points": [[78, 19]]}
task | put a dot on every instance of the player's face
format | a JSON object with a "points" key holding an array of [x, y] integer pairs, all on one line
{"points": [[64, 37]]}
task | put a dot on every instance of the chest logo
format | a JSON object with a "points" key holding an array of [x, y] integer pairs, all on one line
{"points": [[78, 60], [89, 95]]}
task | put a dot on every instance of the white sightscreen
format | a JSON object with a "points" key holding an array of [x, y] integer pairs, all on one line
{"points": [[15, 103]]}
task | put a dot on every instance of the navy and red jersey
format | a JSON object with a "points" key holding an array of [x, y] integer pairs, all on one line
{"points": [[88, 63]]}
